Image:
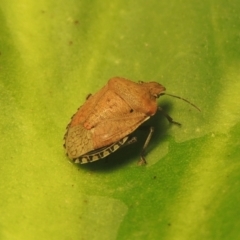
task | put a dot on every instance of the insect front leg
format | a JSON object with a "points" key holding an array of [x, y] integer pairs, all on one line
{"points": [[170, 120], [88, 96]]}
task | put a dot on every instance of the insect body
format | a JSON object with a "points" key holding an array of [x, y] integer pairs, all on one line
{"points": [[105, 121]]}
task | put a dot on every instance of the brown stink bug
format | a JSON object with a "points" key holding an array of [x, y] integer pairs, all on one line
{"points": [[104, 123]]}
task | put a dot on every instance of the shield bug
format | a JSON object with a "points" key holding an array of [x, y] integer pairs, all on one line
{"points": [[104, 123]]}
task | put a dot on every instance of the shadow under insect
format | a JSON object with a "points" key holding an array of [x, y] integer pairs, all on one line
{"points": [[138, 145]]}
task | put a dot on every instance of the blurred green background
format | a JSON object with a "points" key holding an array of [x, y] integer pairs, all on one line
{"points": [[54, 53]]}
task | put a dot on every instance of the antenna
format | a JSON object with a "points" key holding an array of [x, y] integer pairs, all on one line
{"points": [[171, 95]]}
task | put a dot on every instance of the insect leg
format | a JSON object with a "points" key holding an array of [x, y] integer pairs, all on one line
{"points": [[170, 120], [130, 141], [143, 160], [88, 96]]}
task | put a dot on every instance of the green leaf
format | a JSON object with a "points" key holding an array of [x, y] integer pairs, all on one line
{"points": [[53, 54]]}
